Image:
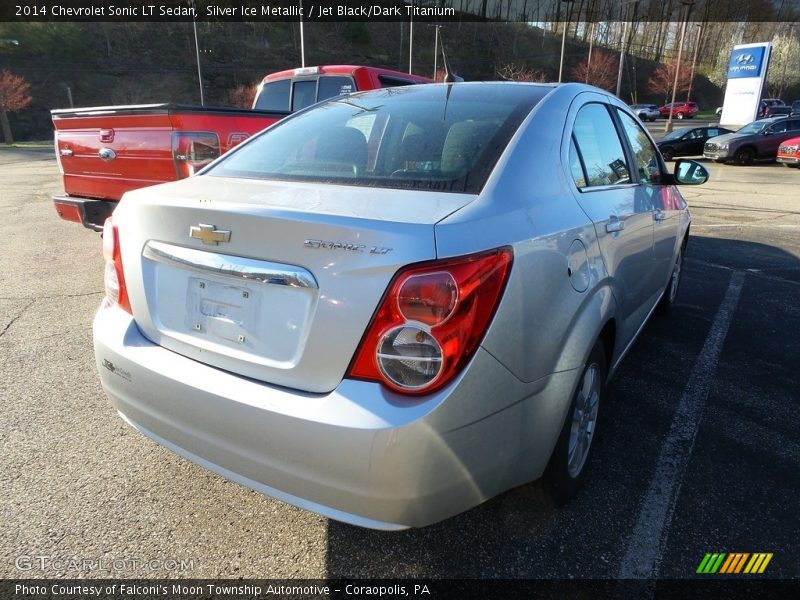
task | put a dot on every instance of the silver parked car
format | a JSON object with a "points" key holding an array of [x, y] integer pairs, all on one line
{"points": [[394, 305], [646, 112]]}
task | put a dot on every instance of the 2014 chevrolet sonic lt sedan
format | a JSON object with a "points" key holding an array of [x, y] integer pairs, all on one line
{"points": [[394, 305]]}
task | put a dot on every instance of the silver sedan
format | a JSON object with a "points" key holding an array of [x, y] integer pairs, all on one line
{"points": [[395, 305]]}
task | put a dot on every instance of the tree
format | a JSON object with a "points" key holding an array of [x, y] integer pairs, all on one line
{"points": [[242, 96], [663, 78], [602, 71], [14, 96], [784, 66], [514, 72]]}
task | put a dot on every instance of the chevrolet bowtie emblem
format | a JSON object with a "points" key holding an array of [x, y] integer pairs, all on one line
{"points": [[209, 234]]}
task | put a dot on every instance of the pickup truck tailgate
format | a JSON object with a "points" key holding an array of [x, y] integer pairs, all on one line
{"points": [[104, 152]]}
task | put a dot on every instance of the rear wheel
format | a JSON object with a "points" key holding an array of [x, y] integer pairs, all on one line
{"points": [[679, 116], [568, 465], [744, 156]]}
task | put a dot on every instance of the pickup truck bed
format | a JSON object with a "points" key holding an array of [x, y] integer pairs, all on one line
{"points": [[104, 152]]}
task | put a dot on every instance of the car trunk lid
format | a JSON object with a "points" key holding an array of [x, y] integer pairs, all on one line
{"points": [[276, 281]]}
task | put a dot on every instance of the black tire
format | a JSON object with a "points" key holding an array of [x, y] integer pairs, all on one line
{"points": [[667, 301], [668, 153], [744, 156], [653, 119], [567, 468]]}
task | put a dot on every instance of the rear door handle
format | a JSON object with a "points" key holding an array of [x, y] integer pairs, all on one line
{"points": [[659, 215], [615, 225]]}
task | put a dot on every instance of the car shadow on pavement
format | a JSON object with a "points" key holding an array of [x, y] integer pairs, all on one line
{"points": [[513, 535]]}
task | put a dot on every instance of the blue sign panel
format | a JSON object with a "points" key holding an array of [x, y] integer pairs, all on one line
{"points": [[746, 62]]}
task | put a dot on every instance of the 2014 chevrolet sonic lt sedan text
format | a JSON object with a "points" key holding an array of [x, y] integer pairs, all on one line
{"points": [[395, 305]]}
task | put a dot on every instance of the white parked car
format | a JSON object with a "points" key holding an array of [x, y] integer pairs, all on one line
{"points": [[395, 305]]}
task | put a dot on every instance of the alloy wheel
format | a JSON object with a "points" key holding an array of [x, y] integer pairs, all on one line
{"points": [[584, 419]]}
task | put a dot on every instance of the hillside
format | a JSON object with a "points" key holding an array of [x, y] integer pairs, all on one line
{"points": [[123, 63]]}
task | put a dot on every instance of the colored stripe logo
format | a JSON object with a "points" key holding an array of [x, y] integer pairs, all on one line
{"points": [[734, 563]]}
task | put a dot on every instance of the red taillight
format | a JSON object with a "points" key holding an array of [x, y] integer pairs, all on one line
{"points": [[431, 320], [193, 150], [114, 279]]}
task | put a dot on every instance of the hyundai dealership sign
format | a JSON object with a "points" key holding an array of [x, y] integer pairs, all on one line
{"points": [[747, 72]]}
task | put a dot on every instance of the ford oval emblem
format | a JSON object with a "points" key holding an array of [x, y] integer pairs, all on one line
{"points": [[107, 154]]}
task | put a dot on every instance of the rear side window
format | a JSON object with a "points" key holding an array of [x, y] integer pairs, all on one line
{"points": [[600, 148], [304, 94], [274, 96], [330, 87], [645, 155], [575, 165]]}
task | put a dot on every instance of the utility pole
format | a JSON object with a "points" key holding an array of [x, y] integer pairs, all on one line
{"points": [[302, 38], [687, 4], [411, 36], [589, 59], [564, 38], [197, 52], [694, 60], [622, 49]]}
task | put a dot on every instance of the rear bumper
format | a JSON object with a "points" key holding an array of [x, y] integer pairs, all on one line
{"points": [[88, 212], [358, 454]]}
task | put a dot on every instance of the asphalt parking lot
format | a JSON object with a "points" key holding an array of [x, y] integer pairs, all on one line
{"points": [[698, 450]]}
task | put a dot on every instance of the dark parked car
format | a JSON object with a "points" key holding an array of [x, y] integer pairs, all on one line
{"points": [[687, 141], [757, 140], [680, 110], [767, 103], [776, 110]]}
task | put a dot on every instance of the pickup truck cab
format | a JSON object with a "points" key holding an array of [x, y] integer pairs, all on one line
{"points": [[295, 89], [106, 151]]}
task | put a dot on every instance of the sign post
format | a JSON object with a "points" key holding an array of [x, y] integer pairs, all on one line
{"points": [[747, 72]]}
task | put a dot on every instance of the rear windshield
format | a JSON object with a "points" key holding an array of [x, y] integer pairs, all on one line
{"points": [[303, 92], [429, 137]]}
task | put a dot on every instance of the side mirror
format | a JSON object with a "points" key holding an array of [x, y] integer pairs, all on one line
{"points": [[768, 132], [690, 172]]}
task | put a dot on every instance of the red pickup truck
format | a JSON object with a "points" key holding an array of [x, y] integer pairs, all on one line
{"points": [[104, 152]]}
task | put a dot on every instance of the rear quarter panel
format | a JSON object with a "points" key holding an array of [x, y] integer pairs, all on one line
{"points": [[542, 323]]}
